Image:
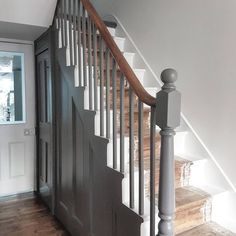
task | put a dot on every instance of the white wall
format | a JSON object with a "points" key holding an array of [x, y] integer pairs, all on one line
{"points": [[25, 19], [30, 12], [198, 38]]}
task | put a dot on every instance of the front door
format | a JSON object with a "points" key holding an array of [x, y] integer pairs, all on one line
{"points": [[17, 119]]}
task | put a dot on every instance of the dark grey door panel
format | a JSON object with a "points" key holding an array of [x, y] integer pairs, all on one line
{"points": [[44, 98], [71, 207]]}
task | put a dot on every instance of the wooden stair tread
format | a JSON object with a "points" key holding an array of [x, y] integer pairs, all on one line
{"points": [[182, 172], [189, 195], [208, 229], [193, 208], [179, 162]]}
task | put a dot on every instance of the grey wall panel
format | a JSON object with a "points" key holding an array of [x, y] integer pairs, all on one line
{"points": [[89, 194]]}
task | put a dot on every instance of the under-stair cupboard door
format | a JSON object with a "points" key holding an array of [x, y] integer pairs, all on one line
{"points": [[17, 118], [45, 159], [75, 126]]}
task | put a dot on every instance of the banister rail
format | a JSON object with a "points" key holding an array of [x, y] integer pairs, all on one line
{"points": [[125, 68]]}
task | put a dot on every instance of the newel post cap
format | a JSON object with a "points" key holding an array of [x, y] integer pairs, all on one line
{"points": [[169, 77], [168, 101]]}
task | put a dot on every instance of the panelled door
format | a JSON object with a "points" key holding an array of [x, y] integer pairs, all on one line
{"points": [[72, 177], [17, 119], [45, 156]]}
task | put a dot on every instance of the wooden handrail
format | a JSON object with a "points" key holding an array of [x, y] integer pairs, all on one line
{"points": [[125, 68]]}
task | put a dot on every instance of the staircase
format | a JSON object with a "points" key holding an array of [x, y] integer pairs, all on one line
{"points": [[127, 116]]}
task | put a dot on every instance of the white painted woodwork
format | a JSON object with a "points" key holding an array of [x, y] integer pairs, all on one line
{"points": [[17, 141], [120, 42]]}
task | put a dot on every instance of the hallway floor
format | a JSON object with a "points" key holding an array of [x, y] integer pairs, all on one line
{"points": [[28, 216]]}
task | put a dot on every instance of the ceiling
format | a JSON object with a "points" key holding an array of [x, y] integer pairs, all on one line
{"points": [[25, 19]]}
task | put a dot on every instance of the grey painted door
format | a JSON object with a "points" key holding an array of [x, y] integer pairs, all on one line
{"points": [[45, 158], [72, 187]]}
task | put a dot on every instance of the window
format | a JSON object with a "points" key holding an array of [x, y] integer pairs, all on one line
{"points": [[12, 89]]}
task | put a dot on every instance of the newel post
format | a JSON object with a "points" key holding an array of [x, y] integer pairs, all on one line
{"points": [[167, 118]]}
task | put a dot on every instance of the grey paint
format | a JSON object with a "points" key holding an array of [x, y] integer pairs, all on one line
{"points": [[45, 120], [167, 118], [152, 171], [122, 125], [131, 148], [141, 157], [114, 117], [94, 67], [108, 102], [89, 194], [45, 127]]}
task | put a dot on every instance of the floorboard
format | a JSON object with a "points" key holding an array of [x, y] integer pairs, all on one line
{"points": [[27, 216]]}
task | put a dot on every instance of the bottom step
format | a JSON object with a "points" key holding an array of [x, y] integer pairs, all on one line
{"points": [[193, 208], [209, 229]]}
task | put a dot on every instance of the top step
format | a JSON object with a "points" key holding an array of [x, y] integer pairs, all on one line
{"points": [[111, 26]]}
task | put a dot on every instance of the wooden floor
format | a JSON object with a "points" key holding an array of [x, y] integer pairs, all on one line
{"points": [[27, 216]]}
